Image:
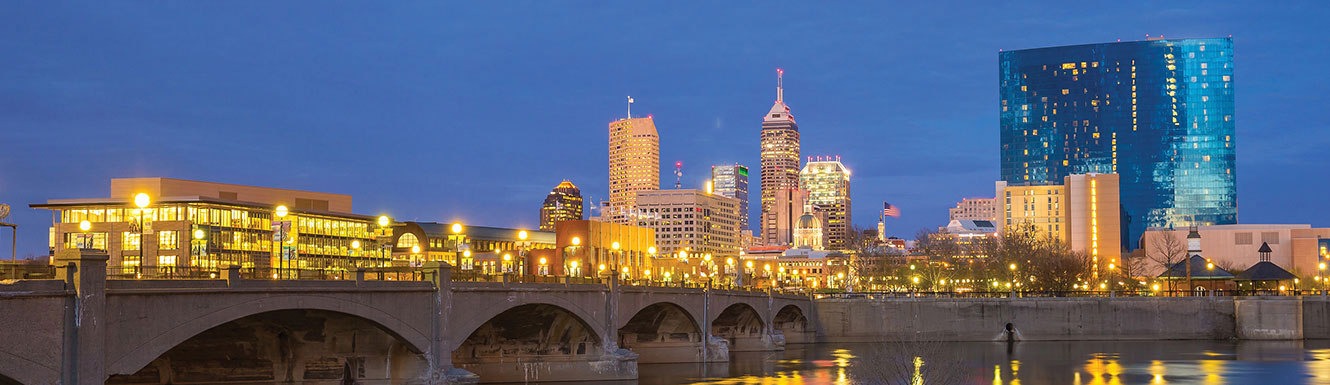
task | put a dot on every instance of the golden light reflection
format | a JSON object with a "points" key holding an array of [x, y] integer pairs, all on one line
{"points": [[1212, 370], [1157, 371]]}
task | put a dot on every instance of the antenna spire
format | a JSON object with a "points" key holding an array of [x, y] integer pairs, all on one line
{"points": [[630, 107], [780, 85]]}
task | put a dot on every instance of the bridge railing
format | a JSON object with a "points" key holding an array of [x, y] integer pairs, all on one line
{"points": [[26, 271], [161, 272], [1072, 294]]}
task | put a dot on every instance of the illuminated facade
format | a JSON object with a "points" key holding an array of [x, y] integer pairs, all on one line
{"points": [[975, 209], [210, 226], [692, 221], [732, 181], [586, 249], [479, 249], [780, 156], [808, 232], [1083, 211], [1159, 113], [634, 165], [563, 204], [828, 184], [779, 222]]}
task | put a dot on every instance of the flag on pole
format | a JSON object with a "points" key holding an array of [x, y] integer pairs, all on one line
{"points": [[890, 211]]}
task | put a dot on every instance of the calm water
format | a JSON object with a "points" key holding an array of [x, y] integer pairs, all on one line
{"points": [[1138, 362]]}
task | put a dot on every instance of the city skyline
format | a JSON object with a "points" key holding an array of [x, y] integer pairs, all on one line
{"points": [[279, 134]]}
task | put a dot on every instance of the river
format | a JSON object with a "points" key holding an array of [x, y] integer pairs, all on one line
{"points": [[1083, 362]]}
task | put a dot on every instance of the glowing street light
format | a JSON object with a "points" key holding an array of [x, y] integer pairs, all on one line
{"points": [[142, 200], [85, 225], [281, 211], [355, 244], [457, 228], [383, 221], [577, 241], [521, 235]]}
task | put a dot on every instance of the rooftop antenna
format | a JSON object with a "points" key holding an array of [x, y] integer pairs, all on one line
{"points": [[678, 175], [630, 107], [780, 85]]}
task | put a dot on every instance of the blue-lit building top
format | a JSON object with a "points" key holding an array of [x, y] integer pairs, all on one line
{"points": [[1157, 112]]}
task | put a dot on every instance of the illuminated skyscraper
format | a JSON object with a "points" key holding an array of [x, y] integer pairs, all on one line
{"points": [[563, 204], [1159, 113], [780, 156], [828, 184], [732, 181], [634, 165]]}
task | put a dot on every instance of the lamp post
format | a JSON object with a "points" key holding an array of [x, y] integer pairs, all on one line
{"points": [[383, 231], [457, 228], [1012, 268], [521, 250], [83, 238], [200, 244], [141, 200], [279, 236], [617, 256], [573, 264]]}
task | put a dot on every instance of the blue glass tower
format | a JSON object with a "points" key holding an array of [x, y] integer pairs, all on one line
{"points": [[1157, 112]]}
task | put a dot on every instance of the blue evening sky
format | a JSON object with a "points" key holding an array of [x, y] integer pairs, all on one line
{"points": [[444, 111]]}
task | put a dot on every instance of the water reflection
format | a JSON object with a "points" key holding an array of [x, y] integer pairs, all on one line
{"points": [[1082, 363]]}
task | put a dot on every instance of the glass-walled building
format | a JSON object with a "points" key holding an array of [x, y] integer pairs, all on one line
{"points": [[203, 225], [1159, 113]]}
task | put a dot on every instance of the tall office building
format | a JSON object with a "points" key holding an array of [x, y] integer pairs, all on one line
{"points": [[634, 165], [563, 204], [828, 184], [1159, 113], [693, 220], [780, 153], [1081, 211], [731, 180]]}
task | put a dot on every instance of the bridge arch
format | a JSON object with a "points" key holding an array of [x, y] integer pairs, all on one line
{"points": [[793, 323], [463, 324], [539, 342], [148, 350], [663, 332], [737, 322]]}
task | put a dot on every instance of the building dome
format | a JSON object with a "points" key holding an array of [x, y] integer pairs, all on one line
{"points": [[808, 221]]}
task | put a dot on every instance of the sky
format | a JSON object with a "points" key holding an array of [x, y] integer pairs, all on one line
{"points": [[443, 111]]}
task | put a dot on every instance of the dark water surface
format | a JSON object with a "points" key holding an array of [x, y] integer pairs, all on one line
{"points": [[1085, 362]]}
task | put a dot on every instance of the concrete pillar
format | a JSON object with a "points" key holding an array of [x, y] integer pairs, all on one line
{"points": [[232, 275], [360, 276], [610, 340], [438, 353], [84, 271]]}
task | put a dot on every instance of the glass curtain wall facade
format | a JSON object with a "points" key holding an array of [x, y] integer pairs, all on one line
{"points": [[732, 181], [1158, 112]]}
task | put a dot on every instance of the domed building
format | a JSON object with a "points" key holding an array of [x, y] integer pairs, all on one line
{"points": [[808, 232]]}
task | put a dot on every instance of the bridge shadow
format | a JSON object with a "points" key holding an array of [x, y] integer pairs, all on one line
{"points": [[540, 342], [742, 327], [792, 323], [286, 346], [663, 333]]}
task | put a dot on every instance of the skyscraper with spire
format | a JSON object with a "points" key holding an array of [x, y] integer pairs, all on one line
{"points": [[634, 164], [780, 158]]}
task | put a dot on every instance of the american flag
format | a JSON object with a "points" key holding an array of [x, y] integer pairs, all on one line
{"points": [[890, 211]]}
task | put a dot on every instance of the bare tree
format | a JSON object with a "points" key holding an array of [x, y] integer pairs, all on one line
{"points": [[1166, 248], [869, 262]]}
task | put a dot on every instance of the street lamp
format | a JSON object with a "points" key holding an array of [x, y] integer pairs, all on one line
{"points": [[141, 200], [617, 257], [575, 241], [279, 230]]}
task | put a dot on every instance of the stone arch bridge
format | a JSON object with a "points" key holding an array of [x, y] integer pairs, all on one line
{"points": [[83, 328]]}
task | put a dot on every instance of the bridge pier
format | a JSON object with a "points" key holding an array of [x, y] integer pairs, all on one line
{"points": [[440, 358], [84, 359]]}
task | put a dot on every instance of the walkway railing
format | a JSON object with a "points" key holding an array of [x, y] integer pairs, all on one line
{"points": [[1070, 294]]}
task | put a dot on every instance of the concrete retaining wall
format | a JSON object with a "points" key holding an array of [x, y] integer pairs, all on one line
{"points": [[1277, 318]]}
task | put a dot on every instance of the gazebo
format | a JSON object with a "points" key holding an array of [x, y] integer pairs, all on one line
{"points": [[1264, 274], [1204, 274]]}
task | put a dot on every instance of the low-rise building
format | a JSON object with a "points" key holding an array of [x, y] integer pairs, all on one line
{"points": [[176, 223], [586, 248], [1299, 248], [1083, 212], [980, 209]]}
